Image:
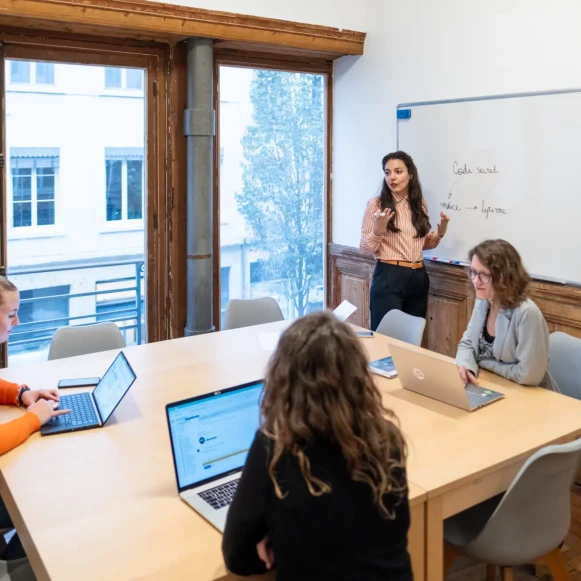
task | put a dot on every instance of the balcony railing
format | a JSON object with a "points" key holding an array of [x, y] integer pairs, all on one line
{"points": [[125, 307]]}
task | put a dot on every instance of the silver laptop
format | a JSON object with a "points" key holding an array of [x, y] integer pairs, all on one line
{"points": [[436, 376], [210, 438]]}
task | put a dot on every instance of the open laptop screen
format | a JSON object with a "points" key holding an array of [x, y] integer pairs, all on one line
{"points": [[113, 386], [211, 435]]}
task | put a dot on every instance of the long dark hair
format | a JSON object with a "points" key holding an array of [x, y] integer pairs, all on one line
{"points": [[420, 219], [318, 386]]}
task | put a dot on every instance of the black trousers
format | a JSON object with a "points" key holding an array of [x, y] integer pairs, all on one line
{"points": [[398, 287], [14, 549]]}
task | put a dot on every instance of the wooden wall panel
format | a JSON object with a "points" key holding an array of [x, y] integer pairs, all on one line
{"points": [[451, 298], [350, 279]]}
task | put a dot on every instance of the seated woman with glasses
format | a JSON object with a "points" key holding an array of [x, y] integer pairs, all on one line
{"points": [[507, 333]]}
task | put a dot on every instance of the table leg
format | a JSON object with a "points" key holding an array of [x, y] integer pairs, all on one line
{"points": [[434, 540], [417, 540]]}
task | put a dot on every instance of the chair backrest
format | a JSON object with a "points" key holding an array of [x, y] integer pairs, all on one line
{"points": [[565, 363], [248, 312], [81, 340], [402, 326], [534, 514]]}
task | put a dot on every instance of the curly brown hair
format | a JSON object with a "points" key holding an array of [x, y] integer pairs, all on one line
{"points": [[318, 387], [508, 275]]}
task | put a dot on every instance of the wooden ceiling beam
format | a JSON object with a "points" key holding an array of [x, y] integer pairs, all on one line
{"points": [[141, 19]]}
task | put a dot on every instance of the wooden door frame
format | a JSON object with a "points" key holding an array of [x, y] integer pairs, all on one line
{"points": [[154, 58], [280, 62]]}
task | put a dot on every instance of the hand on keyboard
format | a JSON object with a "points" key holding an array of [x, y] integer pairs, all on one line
{"points": [[44, 410], [467, 375]]}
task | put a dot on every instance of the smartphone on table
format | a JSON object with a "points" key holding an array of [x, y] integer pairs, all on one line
{"points": [[79, 382], [364, 334]]}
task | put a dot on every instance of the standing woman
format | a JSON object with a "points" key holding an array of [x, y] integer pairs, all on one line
{"points": [[396, 228]]}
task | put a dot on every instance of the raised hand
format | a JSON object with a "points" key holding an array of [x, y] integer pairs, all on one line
{"points": [[380, 221], [443, 225]]}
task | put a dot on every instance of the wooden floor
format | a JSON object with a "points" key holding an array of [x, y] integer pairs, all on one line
{"points": [[465, 569]]}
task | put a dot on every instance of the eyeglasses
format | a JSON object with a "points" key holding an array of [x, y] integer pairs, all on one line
{"points": [[483, 277]]}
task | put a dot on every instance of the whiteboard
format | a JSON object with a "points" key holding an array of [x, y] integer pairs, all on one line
{"points": [[503, 167]]}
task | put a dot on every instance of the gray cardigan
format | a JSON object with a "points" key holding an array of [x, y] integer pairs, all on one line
{"points": [[521, 345]]}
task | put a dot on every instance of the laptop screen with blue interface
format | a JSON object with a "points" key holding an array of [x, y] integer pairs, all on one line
{"points": [[113, 386], [212, 436]]}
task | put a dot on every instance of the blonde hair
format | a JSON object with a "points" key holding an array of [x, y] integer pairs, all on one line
{"points": [[6, 286], [318, 386]]}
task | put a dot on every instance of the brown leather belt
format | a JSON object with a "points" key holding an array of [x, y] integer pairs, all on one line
{"points": [[413, 265]]}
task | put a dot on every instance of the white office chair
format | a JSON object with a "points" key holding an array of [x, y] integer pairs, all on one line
{"points": [[81, 340], [402, 326], [565, 363], [527, 523], [249, 312]]}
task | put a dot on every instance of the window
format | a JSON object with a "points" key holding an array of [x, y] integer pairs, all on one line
{"points": [[19, 72], [224, 291], [41, 312], [259, 272], [31, 72], [124, 183], [34, 179], [272, 184], [44, 74], [116, 78]]}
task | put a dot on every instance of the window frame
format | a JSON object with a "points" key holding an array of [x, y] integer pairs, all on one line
{"points": [[34, 230], [286, 63], [133, 223], [161, 155], [124, 88], [33, 76]]}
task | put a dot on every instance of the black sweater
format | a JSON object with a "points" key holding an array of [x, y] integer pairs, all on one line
{"points": [[339, 536]]}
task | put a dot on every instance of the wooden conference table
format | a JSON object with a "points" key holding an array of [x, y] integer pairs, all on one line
{"points": [[102, 504]]}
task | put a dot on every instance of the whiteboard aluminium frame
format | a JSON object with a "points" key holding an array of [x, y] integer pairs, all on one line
{"points": [[492, 98]]}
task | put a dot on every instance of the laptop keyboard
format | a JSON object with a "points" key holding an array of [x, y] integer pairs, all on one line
{"points": [[82, 410], [220, 496], [477, 398]]}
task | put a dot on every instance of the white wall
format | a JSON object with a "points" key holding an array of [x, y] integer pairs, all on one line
{"points": [[419, 50], [337, 13]]}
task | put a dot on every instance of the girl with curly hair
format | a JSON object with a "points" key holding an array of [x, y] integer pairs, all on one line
{"points": [[507, 333], [323, 495]]}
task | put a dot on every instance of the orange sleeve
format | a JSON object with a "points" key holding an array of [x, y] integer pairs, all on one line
{"points": [[13, 433], [8, 392]]}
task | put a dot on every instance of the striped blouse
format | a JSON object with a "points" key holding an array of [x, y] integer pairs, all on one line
{"points": [[395, 245]]}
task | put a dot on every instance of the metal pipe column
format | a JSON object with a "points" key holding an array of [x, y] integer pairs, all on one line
{"points": [[199, 128]]}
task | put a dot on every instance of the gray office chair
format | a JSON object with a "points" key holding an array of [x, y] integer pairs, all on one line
{"points": [[565, 363], [528, 522], [402, 326], [80, 340], [248, 312]]}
